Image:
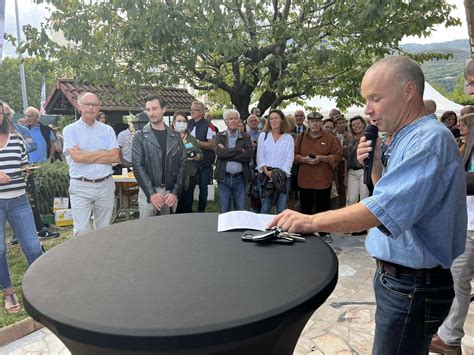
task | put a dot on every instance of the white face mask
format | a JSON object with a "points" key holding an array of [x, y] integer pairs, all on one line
{"points": [[180, 126]]}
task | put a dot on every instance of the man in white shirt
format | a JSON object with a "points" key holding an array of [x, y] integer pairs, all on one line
{"points": [[124, 140], [90, 148]]}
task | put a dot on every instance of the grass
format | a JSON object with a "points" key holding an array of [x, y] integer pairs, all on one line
{"points": [[17, 264]]}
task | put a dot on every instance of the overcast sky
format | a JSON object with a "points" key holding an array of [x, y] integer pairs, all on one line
{"points": [[34, 14]]}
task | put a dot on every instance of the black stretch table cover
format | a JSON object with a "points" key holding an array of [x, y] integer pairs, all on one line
{"points": [[171, 282]]}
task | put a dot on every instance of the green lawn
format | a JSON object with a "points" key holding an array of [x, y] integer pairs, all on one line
{"points": [[17, 264]]}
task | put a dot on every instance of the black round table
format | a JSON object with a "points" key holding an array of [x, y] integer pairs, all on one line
{"points": [[174, 285]]}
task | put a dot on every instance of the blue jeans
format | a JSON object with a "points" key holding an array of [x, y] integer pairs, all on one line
{"points": [[409, 310], [232, 189], [204, 176], [17, 211], [277, 198]]}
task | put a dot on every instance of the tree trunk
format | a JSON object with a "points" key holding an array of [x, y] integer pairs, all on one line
{"points": [[266, 100], [241, 100]]}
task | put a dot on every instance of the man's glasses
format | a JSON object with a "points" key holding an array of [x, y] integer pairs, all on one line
{"points": [[90, 105], [469, 84], [195, 110]]}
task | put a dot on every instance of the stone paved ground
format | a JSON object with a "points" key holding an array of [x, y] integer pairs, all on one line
{"points": [[343, 325]]}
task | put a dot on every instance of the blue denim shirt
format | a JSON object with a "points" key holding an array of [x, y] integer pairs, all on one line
{"points": [[420, 199]]}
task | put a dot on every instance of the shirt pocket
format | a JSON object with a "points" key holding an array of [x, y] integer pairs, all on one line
{"points": [[323, 148], [102, 142]]}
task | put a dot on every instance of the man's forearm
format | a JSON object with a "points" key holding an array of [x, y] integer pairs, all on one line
{"points": [[356, 217], [97, 157], [209, 145]]}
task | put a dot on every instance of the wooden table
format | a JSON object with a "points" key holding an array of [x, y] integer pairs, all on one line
{"points": [[120, 182]]}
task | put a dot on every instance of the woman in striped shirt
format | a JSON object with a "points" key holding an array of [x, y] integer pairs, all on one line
{"points": [[14, 205]]}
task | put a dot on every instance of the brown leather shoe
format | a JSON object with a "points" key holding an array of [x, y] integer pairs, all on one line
{"points": [[438, 346]]}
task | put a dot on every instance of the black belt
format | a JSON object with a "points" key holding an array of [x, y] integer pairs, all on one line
{"points": [[395, 269], [234, 175], [83, 179]]}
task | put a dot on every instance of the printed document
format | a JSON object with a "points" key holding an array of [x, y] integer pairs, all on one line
{"points": [[243, 220]]}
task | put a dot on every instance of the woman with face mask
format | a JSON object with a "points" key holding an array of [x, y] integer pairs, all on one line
{"points": [[194, 154]]}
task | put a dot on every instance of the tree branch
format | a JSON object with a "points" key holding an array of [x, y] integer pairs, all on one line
{"points": [[275, 10], [286, 9]]}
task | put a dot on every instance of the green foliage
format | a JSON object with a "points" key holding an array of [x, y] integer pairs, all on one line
{"points": [[35, 71], [217, 114], [267, 50], [219, 97], [443, 73], [63, 121], [51, 180]]}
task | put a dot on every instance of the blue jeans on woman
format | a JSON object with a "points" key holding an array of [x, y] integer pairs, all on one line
{"points": [[280, 200], [17, 211], [409, 311], [232, 192]]}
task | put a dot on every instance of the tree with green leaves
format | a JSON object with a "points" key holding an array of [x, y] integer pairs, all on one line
{"points": [[255, 51], [35, 71]]}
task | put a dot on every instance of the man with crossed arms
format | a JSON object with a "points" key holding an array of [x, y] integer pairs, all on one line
{"points": [[90, 148]]}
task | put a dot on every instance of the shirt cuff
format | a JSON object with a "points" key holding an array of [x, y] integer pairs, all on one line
{"points": [[389, 226]]}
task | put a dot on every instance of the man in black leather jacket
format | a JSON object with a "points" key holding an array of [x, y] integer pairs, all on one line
{"points": [[159, 162]]}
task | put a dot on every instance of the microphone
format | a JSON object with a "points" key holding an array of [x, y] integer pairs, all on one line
{"points": [[371, 133]]}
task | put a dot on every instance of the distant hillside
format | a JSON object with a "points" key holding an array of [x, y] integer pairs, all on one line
{"points": [[443, 73]]}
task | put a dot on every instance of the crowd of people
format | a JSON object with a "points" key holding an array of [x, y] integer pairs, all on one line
{"points": [[310, 163]]}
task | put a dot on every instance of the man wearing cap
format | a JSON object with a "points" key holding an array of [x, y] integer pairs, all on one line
{"points": [[317, 154], [417, 213]]}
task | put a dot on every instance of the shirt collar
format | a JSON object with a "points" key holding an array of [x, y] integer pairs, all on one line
{"points": [[83, 123], [237, 133], [410, 127]]}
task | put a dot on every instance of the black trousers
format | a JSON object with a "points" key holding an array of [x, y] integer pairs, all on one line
{"points": [[315, 201], [33, 198], [185, 200]]}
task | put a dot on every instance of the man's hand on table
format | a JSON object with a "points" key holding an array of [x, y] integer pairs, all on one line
{"points": [[293, 222]]}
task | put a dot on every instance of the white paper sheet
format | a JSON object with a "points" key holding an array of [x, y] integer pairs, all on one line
{"points": [[243, 220]]}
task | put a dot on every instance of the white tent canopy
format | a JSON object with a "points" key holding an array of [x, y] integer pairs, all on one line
{"points": [[325, 104]]}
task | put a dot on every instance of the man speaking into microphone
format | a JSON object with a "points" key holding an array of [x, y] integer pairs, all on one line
{"points": [[417, 212]]}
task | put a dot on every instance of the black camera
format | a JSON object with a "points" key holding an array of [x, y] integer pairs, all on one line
{"points": [[192, 154]]}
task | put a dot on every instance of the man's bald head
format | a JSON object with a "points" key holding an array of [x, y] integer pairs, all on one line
{"points": [[402, 69], [430, 106], [467, 109]]}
